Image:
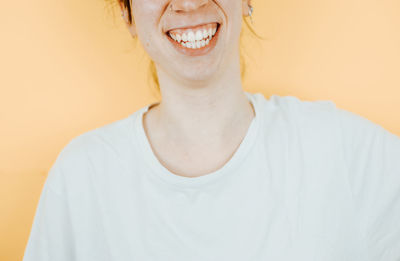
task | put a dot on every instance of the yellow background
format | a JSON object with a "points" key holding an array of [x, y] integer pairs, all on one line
{"points": [[68, 67]]}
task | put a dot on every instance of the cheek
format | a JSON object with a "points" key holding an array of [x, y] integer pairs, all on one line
{"points": [[231, 7], [147, 15], [233, 13]]}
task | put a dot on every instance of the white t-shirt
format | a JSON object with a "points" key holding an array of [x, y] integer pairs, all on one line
{"points": [[310, 181]]}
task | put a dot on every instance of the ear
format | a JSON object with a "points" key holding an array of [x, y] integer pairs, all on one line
{"points": [[125, 16], [245, 7]]}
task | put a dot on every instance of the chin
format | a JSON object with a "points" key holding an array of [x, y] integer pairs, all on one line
{"points": [[198, 76], [200, 71]]}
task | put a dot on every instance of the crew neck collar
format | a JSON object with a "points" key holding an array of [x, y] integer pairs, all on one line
{"points": [[140, 139]]}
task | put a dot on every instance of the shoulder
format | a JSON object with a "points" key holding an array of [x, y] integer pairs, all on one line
{"points": [[78, 160], [297, 105], [293, 102], [323, 114], [318, 124], [107, 137], [299, 112], [318, 111], [301, 125], [323, 122]]}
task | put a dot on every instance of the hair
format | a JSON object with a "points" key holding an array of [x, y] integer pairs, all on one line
{"points": [[152, 68]]}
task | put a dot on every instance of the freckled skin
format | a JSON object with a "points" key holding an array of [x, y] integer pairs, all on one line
{"points": [[202, 95], [151, 17]]}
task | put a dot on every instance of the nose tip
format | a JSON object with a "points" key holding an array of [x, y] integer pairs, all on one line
{"points": [[187, 5]]}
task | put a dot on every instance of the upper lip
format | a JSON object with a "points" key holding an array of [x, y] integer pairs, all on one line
{"points": [[187, 26]]}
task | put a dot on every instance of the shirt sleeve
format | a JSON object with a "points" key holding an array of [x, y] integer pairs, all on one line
{"points": [[373, 159], [51, 236]]}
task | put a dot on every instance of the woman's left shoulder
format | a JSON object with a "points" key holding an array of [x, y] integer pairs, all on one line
{"points": [[316, 114], [326, 112]]}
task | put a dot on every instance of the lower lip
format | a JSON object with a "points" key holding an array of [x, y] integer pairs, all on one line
{"points": [[196, 52]]}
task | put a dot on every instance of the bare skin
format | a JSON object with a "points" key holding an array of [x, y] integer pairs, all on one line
{"points": [[204, 114]]}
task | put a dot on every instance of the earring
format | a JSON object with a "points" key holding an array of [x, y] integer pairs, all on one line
{"points": [[251, 9]]}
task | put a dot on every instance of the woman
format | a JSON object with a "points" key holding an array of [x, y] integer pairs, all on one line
{"points": [[215, 173]]}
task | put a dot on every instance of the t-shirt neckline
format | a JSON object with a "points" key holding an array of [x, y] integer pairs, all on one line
{"points": [[141, 140]]}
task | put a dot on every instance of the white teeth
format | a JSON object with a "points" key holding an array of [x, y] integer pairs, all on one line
{"points": [[205, 34], [209, 32], [194, 40], [195, 44], [199, 35], [191, 37], [184, 37]]}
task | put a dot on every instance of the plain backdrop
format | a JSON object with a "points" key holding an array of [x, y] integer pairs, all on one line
{"points": [[68, 67]]}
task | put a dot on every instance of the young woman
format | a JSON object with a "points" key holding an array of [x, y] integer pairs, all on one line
{"points": [[212, 172]]}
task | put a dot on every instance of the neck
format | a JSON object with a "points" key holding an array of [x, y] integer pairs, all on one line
{"points": [[192, 111]]}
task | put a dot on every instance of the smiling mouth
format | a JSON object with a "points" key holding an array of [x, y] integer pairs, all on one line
{"points": [[199, 37]]}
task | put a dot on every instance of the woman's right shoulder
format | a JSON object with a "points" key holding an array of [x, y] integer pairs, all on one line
{"points": [[79, 158], [71, 165], [111, 137]]}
